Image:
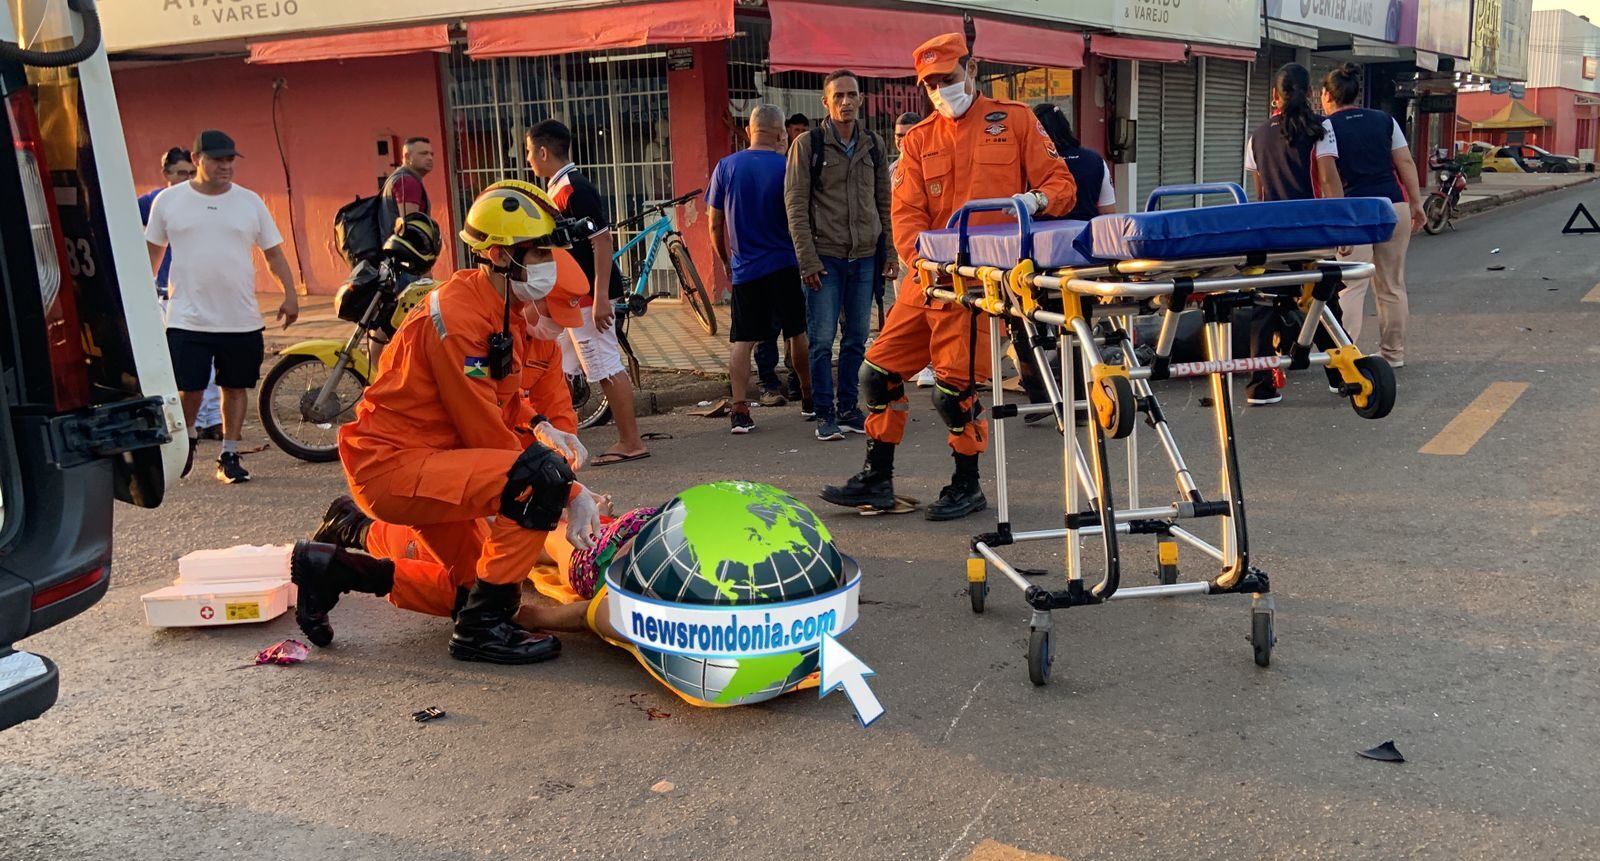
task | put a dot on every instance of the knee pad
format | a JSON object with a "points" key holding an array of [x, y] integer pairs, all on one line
{"points": [[947, 401], [881, 388], [536, 489]]}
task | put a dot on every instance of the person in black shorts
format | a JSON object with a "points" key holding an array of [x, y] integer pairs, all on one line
{"points": [[214, 227], [750, 231]]}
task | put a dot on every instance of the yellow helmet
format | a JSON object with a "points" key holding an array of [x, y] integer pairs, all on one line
{"points": [[509, 213]]}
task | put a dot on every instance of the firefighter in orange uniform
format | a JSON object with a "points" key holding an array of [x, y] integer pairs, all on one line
{"points": [[425, 584], [440, 445], [973, 147]]}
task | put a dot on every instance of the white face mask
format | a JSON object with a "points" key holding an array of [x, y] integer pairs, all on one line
{"points": [[541, 279], [952, 100]]}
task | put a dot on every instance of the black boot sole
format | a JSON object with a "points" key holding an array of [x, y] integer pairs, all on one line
{"points": [[464, 652], [838, 496], [956, 514], [316, 628]]}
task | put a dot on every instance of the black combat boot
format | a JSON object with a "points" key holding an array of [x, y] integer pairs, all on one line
{"points": [[323, 572], [345, 525], [873, 485], [484, 630], [963, 495]]}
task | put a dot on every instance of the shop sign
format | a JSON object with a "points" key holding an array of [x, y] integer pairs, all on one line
{"points": [[1374, 19], [138, 24], [680, 59], [1216, 22], [1445, 27], [1500, 31]]}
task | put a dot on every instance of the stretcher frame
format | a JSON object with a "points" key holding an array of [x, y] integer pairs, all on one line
{"points": [[1116, 393]]}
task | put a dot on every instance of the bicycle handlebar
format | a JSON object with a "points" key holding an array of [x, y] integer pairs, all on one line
{"points": [[654, 207]]}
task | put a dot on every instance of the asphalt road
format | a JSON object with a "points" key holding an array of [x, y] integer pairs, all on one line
{"points": [[1442, 601]]}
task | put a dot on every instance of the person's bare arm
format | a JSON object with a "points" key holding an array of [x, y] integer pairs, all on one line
{"points": [[719, 239], [1406, 166], [1328, 182], [406, 209], [156, 253], [278, 263], [603, 312], [1255, 181]]}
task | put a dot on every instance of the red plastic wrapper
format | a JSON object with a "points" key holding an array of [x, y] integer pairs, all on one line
{"points": [[284, 653]]}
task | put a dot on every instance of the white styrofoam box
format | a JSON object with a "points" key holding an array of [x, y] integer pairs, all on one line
{"points": [[205, 605], [243, 563]]}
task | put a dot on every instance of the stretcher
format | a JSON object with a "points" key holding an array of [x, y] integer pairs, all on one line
{"points": [[1090, 281]]}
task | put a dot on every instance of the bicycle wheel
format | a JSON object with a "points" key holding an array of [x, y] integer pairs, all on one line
{"points": [[694, 292], [288, 407], [589, 402]]}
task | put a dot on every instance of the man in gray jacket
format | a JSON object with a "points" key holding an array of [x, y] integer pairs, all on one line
{"points": [[836, 192]]}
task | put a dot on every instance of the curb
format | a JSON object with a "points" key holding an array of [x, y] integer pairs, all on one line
{"points": [[1514, 196]]}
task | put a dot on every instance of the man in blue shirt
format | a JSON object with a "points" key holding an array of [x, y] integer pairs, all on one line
{"points": [[750, 231], [178, 167]]}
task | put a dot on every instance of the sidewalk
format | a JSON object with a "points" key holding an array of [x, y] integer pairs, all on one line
{"points": [[1499, 188]]}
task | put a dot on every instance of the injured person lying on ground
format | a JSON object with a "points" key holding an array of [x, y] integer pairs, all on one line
{"points": [[728, 543]]}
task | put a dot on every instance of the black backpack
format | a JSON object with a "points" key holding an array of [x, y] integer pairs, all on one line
{"points": [[358, 229]]}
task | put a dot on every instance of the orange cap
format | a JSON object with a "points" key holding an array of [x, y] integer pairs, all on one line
{"points": [[564, 304], [940, 55]]}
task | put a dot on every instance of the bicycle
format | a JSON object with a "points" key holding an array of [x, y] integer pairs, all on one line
{"points": [[592, 406]]}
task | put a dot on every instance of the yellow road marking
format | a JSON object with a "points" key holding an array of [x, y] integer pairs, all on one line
{"points": [[1593, 295], [1464, 431], [989, 850]]}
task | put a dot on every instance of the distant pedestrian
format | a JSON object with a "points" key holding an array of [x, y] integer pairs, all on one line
{"points": [[902, 127], [403, 191], [1089, 170], [796, 126], [1375, 161], [213, 227], [1292, 156], [177, 167], [837, 196], [750, 232]]}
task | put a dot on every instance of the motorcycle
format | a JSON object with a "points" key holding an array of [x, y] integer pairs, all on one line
{"points": [[1440, 207], [315, 385]]}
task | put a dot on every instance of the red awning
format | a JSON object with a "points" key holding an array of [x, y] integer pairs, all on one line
{"points": [[1124, 48], [879, 43], [816, 37], [1245, 55], [1022, 45], [668, 22], [350, 46]]}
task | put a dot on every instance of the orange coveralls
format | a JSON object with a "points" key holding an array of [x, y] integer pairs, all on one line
{"points": [[996, 149], [433, 441]]}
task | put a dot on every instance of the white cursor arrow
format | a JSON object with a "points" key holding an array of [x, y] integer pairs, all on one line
{"points": [[841, 668]]}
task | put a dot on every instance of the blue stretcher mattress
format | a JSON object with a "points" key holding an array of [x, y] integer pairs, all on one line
{"points": [[1213, 231], [1242, 228], [997, 244]]}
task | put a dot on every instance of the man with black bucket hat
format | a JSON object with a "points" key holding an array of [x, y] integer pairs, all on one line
{"points": [[213, 226]]}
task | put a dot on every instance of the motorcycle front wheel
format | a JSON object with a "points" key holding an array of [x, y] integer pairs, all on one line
{"points": [[289, 412], [1436, 209]]}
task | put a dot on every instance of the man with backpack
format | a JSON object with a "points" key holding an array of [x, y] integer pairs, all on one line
{"points": [[404, 193], [836, 191]]}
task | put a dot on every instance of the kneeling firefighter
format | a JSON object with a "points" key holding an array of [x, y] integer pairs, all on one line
{"points": [[439, 444]]}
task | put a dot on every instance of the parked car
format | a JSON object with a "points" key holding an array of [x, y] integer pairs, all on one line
{"points": [[1550, 162], [89, 412], [1524, 158]]}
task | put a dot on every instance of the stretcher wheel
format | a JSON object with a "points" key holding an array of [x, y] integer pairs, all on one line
{"points": [[1114, 407], [1167, 574], [1039, 656], [978, 592], [1261, 636], [1381, 401]]}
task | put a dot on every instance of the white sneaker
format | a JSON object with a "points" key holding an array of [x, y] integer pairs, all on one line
{"points": [[925, 378]]}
